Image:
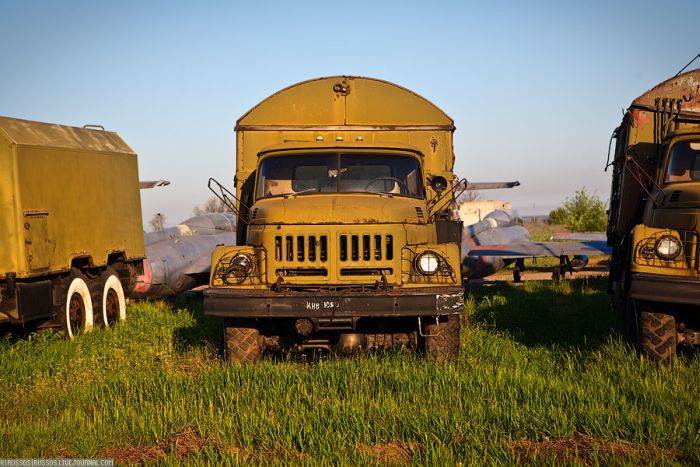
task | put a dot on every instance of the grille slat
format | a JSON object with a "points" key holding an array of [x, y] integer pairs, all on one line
{"points": [[301, 248], [366, 247], [351, 248]]}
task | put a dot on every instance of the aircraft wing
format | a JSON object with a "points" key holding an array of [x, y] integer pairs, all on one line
{"points": [[540, 249], [491, 185], [580, 236], [145, 184]]}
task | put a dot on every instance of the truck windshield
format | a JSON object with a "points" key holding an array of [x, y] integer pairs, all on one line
{"points": [[339, 173], [683, 162]]}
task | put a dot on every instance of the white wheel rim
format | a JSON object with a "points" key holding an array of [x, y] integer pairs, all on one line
{"points": [[113, 283], [78, 286]]}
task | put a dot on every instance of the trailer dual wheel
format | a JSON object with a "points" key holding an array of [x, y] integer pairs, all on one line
{"points": [[657, 338], [112, 299], [77, 314], [441, 338], [242, 341]]}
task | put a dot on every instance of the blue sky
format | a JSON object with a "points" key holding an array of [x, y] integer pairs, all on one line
{"points": [[535, 88]]}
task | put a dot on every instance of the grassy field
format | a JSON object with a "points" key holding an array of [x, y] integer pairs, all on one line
{"points": [[544, 377]]}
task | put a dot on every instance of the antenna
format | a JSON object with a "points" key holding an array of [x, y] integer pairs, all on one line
{"points": [[683, 69]]}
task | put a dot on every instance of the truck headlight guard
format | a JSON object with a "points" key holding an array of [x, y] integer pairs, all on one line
{"points": [[240, 267], [427, 263], [668, 248]]}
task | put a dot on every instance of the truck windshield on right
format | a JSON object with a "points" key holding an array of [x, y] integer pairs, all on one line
{"points": [[654, 217]]}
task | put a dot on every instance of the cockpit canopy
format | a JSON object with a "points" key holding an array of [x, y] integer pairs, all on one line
{"points": [[339, 172]]}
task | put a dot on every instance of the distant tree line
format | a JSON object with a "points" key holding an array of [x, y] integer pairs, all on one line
{"points": [[213, 204]]}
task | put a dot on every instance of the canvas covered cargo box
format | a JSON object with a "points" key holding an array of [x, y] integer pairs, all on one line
{"points": [[354, 109], [67, 195]]}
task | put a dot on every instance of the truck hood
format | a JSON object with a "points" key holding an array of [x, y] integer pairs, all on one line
{"points": [[339, 209], [680, 209]]}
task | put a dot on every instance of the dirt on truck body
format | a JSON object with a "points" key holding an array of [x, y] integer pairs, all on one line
{"points": [[346, 240], [71, 240], [654, 219]]}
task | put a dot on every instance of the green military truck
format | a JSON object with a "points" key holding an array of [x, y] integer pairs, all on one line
{"points": [[346, 240], [71, 238], [654, 217]]}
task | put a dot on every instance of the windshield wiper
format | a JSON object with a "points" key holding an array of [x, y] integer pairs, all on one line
{"points": [[286, 195]]}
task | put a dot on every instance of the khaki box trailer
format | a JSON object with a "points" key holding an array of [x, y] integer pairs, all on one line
{"points": [[71, 235]]}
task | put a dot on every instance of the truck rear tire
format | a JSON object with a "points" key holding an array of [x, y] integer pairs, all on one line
{"points": [[441, 341], [77, 306], [112, 299], [657, 337], [242, 342]]}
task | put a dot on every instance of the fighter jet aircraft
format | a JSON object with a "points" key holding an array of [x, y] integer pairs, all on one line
{"points": [[499, 240], [179, 258]]}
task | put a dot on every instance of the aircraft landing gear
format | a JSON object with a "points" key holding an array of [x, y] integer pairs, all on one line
{"points": [[519, 269]]}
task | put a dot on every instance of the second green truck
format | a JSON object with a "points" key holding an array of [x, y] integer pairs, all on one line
{"points": [[654, 218]]}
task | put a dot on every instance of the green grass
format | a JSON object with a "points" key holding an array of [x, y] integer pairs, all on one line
{"points": [[542, 366]]}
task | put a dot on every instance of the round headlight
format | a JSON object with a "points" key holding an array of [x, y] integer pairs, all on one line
{"points": [[240, 266], [668, 248], [427, 263]]}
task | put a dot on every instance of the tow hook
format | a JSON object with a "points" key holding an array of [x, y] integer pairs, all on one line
{"points": [[420, 328]]}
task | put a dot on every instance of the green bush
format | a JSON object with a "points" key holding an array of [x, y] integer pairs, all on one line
{"points": [[583, 212], [559, 216]]}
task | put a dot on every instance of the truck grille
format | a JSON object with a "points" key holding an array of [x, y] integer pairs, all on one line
{"points": [[301, 248], [345, 257], [366, 247]]}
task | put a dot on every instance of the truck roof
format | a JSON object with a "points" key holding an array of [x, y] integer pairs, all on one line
{"points": [[343, 102], [685, 87], [39, 134]]}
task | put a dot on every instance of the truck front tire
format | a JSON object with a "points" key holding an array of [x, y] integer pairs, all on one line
{"points": [[77, 309], [657, 337], [441, 341], [242, 341]]}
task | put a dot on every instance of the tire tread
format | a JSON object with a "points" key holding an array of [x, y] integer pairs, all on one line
{"points": [[442, 339]]}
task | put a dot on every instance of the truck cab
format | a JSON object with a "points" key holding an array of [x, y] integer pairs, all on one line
{"points": [[654, 218], [346, 237]]}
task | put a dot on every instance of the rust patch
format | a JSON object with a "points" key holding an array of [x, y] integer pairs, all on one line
{"points": [[584, 448], [393, 452], [685, 87], [640, 118]]}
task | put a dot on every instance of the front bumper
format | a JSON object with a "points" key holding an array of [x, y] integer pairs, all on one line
{"points": [[247, 303], [666, 289]]}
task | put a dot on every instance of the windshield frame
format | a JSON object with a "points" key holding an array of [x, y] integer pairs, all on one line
{"points": [[670, 146], [338, 152]]}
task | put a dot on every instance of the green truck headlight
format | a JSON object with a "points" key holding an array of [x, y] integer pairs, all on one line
{"points": [[427, 263], [668, 248]]}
